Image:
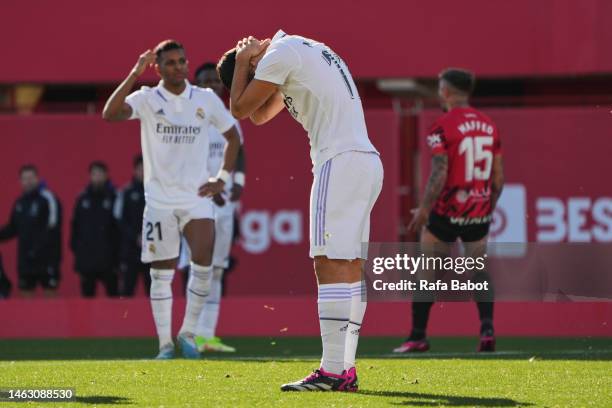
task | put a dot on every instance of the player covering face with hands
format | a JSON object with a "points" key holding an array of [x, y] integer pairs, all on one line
{"points": [[175, 117], [314, 84]]}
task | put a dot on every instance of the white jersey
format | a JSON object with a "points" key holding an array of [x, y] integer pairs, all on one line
{"points": [[174, 134], [319, 92], [216, 153]]}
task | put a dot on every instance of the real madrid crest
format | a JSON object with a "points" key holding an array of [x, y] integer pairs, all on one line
{"points": [[200, 113]]}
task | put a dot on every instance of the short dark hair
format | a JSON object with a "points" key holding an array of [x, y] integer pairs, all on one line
{"points": [[225, 68], [97, 164], [167, 45], [205, 67], [460, 79], [137, 160], [28, 167]]}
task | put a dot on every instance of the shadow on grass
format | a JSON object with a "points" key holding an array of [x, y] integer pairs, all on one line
{"points": [[436, 400], [104, 400]]}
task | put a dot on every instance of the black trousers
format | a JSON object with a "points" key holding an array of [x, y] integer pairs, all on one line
{"points": [[130, 272], [90, 277]]}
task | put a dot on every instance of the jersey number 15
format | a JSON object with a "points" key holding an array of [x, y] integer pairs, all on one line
{"points": [[475, 155]]}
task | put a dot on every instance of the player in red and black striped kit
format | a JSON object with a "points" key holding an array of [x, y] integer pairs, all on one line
{"points": [[465, 183]]}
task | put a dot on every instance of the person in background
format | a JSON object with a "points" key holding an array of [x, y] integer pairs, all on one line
{"points": [[5, 283], [465, 183], [129, 209], [226, 205], [36, 222], [95, 234]]}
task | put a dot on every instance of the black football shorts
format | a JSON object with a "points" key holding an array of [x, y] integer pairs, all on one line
{"points": [[445, 230]]}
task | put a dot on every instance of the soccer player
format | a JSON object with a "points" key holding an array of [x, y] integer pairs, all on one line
{"points": [[465, 183], [225, 205], [175, 117], [314, 84]]}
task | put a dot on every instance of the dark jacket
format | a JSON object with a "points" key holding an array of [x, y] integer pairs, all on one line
{"points": [[95, 237], [129, 209], [36, 222], [5, 283]]}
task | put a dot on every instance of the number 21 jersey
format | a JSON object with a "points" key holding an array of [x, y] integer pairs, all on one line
{"points": [[470, 140]]}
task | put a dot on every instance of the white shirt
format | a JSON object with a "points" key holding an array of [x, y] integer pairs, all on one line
{"points": [[174, 133], [319, 92]]}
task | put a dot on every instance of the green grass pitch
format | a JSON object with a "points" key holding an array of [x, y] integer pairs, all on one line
{"points": [[535, 372]]}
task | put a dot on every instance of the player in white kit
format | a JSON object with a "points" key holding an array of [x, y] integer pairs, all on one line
{"points": [[225, 206], [175, 118], [316, 87]]}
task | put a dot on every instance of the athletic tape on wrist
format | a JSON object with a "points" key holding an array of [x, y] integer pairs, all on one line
{"points": [[223, 175], [239, 178]]}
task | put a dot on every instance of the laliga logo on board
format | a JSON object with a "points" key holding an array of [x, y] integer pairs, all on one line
{"points": [[509, 222], [499, 222], [259, 228]]}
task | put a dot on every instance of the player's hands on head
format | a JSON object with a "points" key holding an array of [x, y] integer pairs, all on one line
{"points": [[250, 47], [146, 59], [212, 188], [236, 192], [419, 219]]}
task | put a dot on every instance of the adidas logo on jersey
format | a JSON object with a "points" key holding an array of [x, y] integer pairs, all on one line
{"points": [[160, 112]]}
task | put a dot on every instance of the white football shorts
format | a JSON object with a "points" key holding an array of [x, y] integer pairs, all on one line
{"points": [[162, 228], [343, 194], [224, 233]]}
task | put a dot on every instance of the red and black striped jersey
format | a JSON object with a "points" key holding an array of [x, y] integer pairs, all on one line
{"points": [[470, 139]]}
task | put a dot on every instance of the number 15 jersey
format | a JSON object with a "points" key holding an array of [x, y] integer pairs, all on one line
{"points": [[470, 140], [318, 92]]}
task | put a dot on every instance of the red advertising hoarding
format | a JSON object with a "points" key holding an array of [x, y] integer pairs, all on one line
{"points": [[273, 255]]}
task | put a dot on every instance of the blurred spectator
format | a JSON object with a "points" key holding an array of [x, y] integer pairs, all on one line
{"points": [[36, 222], [129, 209], [95, 235], [5, 283]]}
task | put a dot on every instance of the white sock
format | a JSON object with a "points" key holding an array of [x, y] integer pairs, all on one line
{"points": [[207, 322], [358, 308], [334, 310], [161, 303], [198, 288]]}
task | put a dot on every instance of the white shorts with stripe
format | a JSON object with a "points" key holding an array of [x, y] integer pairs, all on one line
{"points": [[224, 235], [162, 228], [344, 191]]}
